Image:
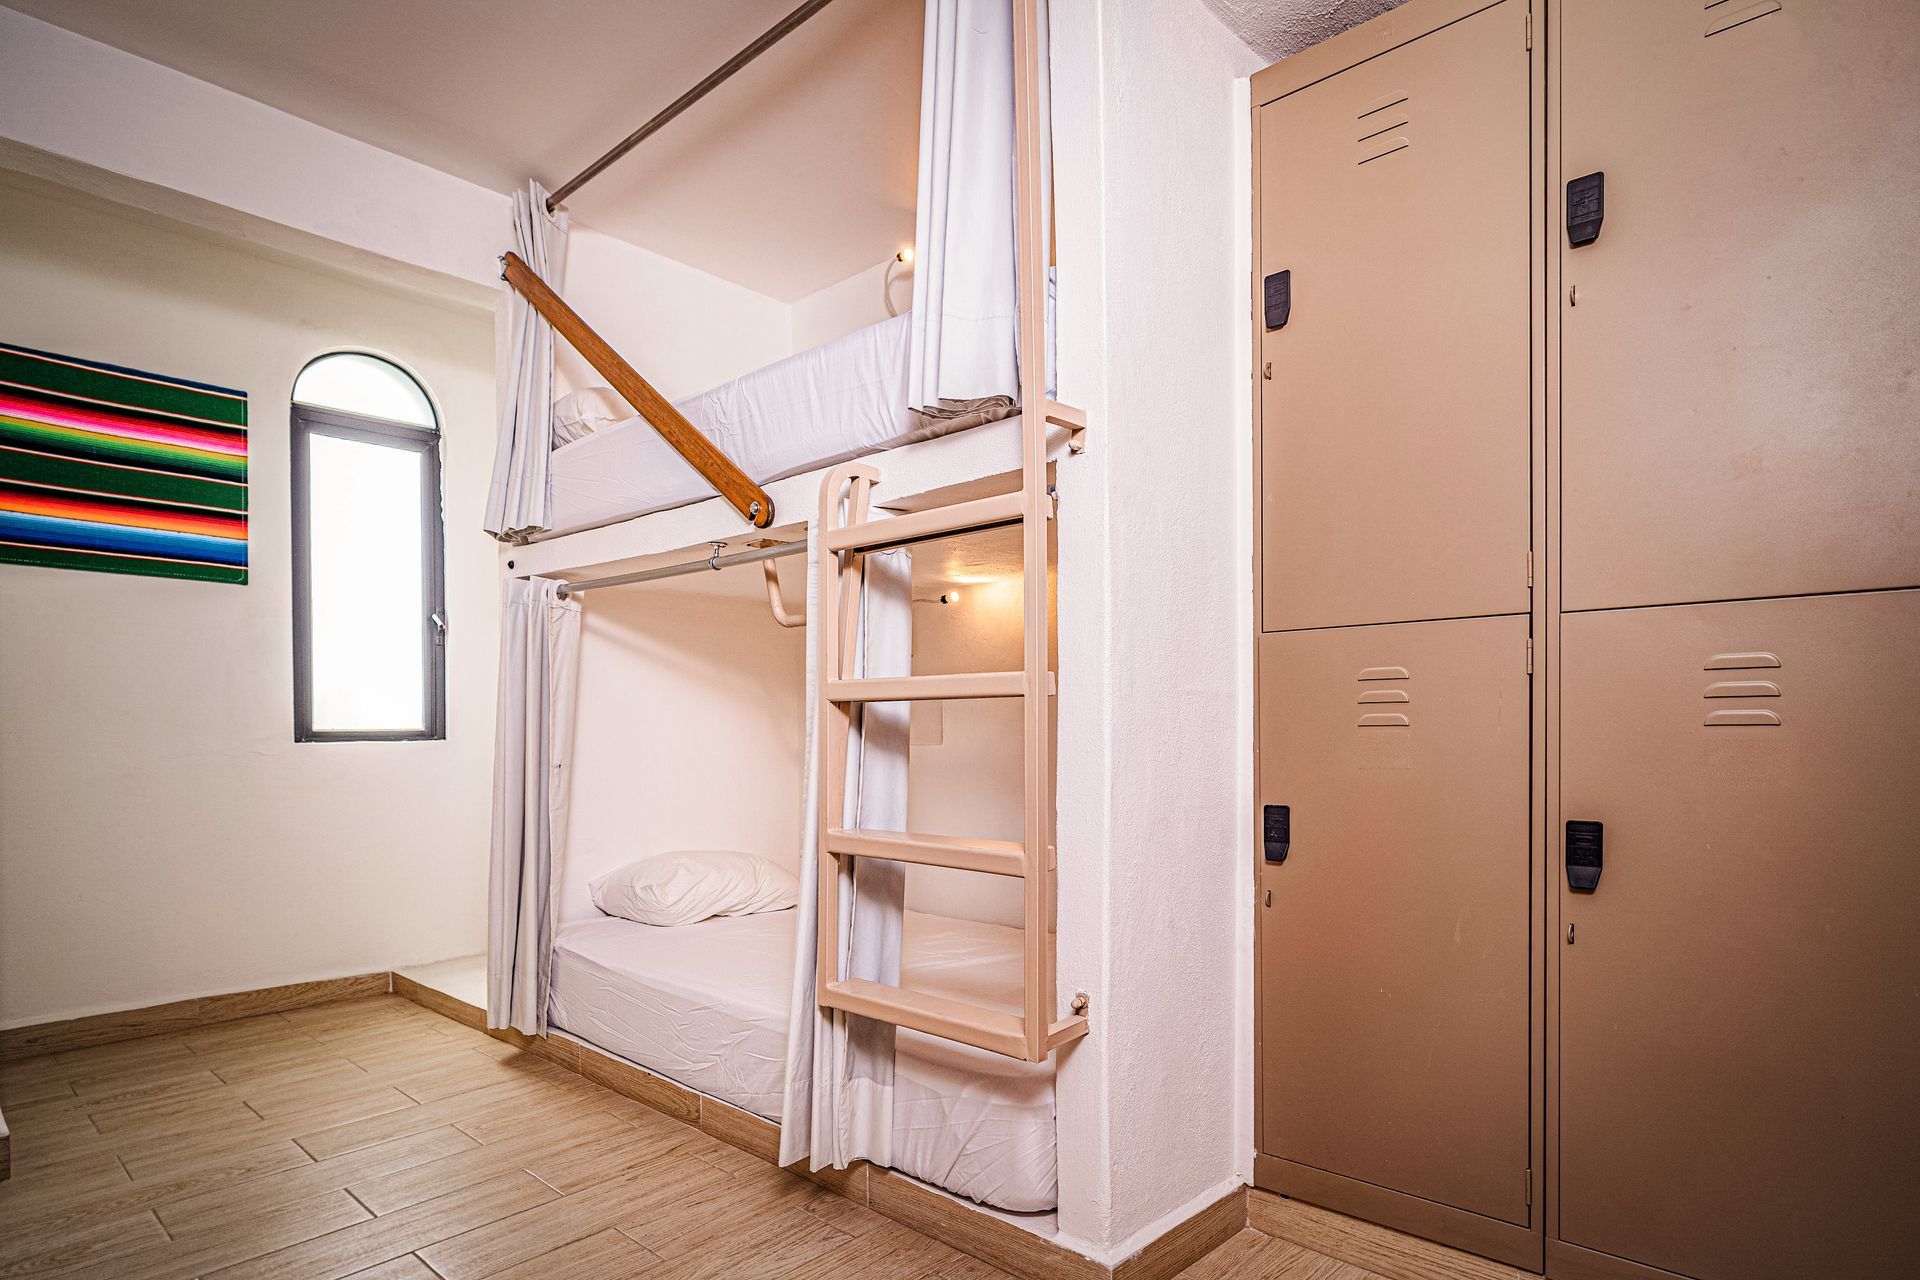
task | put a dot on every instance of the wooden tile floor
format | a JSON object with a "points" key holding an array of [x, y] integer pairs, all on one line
{"points": [[377, 1140]]}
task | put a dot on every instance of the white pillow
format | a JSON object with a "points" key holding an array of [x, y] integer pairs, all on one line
{"points": [[682, 888], [583, 412]]}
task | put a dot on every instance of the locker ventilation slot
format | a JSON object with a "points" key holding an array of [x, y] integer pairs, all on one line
{"points": [[1743, 689], [1725, 15], [1721, 719], [1378, 122], [1741, 661], [1374, 697], [1756, 661]]}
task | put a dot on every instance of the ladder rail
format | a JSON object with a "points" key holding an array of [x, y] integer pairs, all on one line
{"points": [[838, 608], [1030, 232]]}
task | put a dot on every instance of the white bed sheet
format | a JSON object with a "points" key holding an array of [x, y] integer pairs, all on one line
{"points": [[841, 400], [706, 1005]]}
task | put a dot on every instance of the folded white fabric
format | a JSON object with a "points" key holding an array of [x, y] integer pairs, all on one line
{"points": [[685, 887], [580, 413]]}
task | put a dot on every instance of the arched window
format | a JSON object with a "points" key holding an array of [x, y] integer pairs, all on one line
{"points": [[369, 583]]}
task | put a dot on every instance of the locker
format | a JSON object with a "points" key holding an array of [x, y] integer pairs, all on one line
{"points": [[1739, 383], [1395, 948], [1395, 454], [1738, 1002]]}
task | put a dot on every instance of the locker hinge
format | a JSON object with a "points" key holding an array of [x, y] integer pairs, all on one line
{"points": [[1529, 1187], [1529, 568], [1529, 657], [1529, 31]]}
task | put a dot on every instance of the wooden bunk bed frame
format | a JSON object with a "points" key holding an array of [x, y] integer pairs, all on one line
{"points": [[846, 535]]}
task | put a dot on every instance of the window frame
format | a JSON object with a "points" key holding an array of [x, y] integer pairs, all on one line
{"points": [[309, 421]]}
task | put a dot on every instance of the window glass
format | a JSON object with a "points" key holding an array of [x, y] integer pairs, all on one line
{"points": [[366, 385], [365, 530]]}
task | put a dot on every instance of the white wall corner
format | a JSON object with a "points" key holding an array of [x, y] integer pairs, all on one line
{"points": [[82, 113], [1154, 342]]}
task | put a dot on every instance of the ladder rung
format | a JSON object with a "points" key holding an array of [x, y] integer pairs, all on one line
{"points": [[935, 1015], [917, 526], [1065, 415], [1068, 1028], [962, 684], [995, 857]]}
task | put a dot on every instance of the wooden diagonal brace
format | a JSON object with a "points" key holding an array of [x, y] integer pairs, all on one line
{"points": [[727, 479]]}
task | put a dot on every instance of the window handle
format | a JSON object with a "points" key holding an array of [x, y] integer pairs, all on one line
{"points": [[439, 622]]}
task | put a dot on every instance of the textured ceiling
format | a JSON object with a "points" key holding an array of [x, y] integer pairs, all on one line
{"points": [[1275, 28], [797, 173]]}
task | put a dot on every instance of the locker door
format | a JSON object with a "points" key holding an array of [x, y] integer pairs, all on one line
{"points": [[1740, 386], [1394, 428], [1394, 1005], [1739, 1016]]}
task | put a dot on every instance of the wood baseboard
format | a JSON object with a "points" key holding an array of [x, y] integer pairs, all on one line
{"points": [[1381, 1250], [182, 1015], [1187, 1243], [951, 1221]]}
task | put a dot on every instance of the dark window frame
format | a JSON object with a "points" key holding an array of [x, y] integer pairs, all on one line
{"points": [[308, 422]]}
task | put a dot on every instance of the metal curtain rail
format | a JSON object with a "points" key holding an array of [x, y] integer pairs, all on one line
{"points": [[772, 36], [715, 561]]}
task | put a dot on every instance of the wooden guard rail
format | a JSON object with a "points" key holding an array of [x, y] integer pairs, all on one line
{"points": [[727, 479]]}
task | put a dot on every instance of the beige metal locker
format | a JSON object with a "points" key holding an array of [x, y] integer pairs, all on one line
{"points": [[1395, 945], [1738, 1003], [1740, 386], [1395, 423]]}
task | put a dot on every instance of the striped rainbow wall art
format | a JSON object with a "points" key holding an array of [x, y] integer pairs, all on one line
{"points": [[120, 471]]}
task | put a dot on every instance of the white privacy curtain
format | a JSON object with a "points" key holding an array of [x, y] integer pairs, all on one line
{"points": [[517, 498], [964, 308], [838, 1105], [532, 767]]}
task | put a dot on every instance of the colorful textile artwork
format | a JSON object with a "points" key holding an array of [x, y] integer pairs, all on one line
{"points": [[120, 471]]}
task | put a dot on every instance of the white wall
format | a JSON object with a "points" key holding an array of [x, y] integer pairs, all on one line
{"points": [[689, 729], [84, 113], [680, 328], [161, 834], [964, 775], [1155, 588], [853, 304]]}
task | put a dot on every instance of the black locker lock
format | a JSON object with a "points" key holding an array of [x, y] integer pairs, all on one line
{"points": [[1276, 823], [1586, 208], [1586, 849], [1279, 298]]}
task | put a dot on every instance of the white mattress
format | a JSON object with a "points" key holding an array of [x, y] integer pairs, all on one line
{"points": [[706, 1005], [838, 401]]}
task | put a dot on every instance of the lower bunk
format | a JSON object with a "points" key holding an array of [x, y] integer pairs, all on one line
{"points": [[706, 1005]]}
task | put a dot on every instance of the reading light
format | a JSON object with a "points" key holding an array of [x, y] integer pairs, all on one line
{"points": [[905, 255]]}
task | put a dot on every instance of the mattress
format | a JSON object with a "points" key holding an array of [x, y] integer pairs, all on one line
{"points": [[841, 400], [706, 1005]]}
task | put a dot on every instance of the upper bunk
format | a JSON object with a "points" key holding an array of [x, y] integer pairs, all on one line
{"points": [[615, 475]]}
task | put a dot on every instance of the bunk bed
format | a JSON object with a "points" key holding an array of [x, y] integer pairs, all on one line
{"points": [[842, 400], [741, 1008], [707, 1005]]}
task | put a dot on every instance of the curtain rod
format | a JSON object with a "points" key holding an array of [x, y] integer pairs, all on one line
{"points": [[772, 36], [715, 561]]}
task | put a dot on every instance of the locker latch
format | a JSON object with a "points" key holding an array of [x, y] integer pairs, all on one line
{"points": [[1586, 208], [1279, 298], [1586, 847], [1277, 831]]}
